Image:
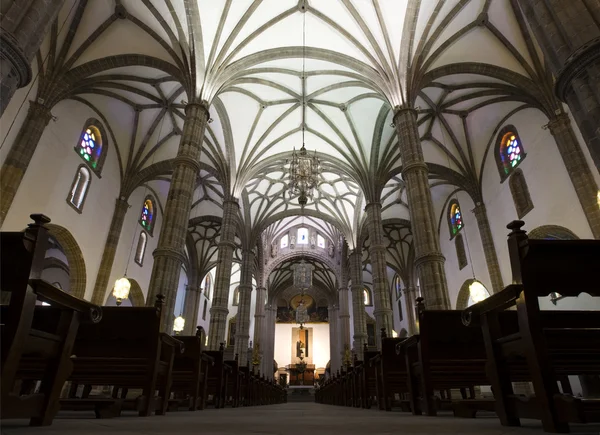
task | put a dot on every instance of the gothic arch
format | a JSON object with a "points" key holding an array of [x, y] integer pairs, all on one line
{"points": [[520, 193], [77, 271], [555, 232], [462, 301], [136, 295], [280, 259]]}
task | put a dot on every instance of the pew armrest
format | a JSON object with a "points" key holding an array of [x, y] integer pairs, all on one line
{"points": [[496, 302], [58, 298], [374, 360], [409, 342], [207, 358], [173, 342]]}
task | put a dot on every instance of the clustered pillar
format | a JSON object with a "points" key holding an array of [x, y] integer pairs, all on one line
{"points": [[579, 171], [259, 323], [20, 154], [191, 305], [242, 336], [568, 33], [381, 290], [219, 310], [429, 260], [110, 250], [334, 338], [344, 321], [271, 315], [489, 249], [358, 304], [24, 26], [169, 255]]}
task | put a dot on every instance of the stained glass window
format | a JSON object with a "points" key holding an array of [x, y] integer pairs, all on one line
{"points": [[302, 236], [455, 220], [509, 151], [90, 146], [147, 216]]}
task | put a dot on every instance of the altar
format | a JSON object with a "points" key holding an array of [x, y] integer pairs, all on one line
{"points": [[299, 377]]}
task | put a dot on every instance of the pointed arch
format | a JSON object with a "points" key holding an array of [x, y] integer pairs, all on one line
{"points": [[92, 145], [77, 270], [455, 219], [148, 214], [520, 193], [461, 254], [79, 188], [136, 295], [509, 151]]}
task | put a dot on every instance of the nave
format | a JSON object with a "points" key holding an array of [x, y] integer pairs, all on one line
{"points": [[310, 418]]}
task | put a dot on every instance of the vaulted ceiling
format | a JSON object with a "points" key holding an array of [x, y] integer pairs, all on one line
{"points": [[465, 64]]}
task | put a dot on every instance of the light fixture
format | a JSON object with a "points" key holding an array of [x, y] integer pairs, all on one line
{"points": [[121, 289], [178, 324], [304, 169], [478, 292], [598, 198]]}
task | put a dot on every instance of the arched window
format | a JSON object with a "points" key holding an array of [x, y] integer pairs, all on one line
{"points": [[302, 236], [141, 248], [204, 309], [509, 151], [79, 188], [90, 146], [397, 286], [147, 216], [285, 241], [320, 241], [400, 315], [367, 297], [232, 331], [460, 251], [477, 292], [236, 297], [520, 193], [455, 220], [207, 285]]}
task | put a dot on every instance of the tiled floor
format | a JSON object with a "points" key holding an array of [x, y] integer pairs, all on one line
{"points": [[290, 418]]}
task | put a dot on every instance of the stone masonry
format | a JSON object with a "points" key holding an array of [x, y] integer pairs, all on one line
{"points": [[218, 310], [169, 256], [568, 33], [577, 168], [259, 322], [429, 260], [381, 289], [242, 336], [24, 26], [20, 154], [489, 249], [358, 303], [110, 250]]}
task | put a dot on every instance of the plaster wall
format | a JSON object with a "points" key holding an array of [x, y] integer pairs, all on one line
{"points": [[320, 344]]}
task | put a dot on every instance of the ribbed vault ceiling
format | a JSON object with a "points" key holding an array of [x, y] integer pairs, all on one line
{"points": [[465, 64]]}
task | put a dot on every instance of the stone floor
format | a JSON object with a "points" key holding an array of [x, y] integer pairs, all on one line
{"points": [[290, 418]]}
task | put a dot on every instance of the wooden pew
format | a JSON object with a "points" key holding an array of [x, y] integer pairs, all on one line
{"points": [[550, 344], [447, 355], [36, 340], [391, 373], [190, 373], [218, 375], [125, 350], [368, 378], [234, 382]]}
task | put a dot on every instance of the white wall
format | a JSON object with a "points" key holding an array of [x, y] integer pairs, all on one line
{"points": [[320, 344]]}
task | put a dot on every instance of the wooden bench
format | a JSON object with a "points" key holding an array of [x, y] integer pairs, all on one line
{"points": [[391, 373], [447, 355], [550, 344], [36, 340], [126, 350], [190, 373], [368, 378], [218, 375]]}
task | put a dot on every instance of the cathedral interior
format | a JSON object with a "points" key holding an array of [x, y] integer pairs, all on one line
{"points": [[369, 215]]}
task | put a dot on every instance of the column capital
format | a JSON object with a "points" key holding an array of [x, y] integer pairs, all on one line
{"points": [[575, 64], [226, 243], [373, 204], [343, 289], [405, 109], [218, 310], [198, 105], [430, 257], [13, 53], [559, 122], [261, 288], [245, 287], [186, 160], [40, 111], [168, 252]]}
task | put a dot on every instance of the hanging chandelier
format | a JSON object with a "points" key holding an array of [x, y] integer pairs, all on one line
{"points": [[304, 168]]}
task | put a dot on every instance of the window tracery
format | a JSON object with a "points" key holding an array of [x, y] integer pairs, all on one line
{"points": [[147, 215], [455, 220], [79, 188], [509, 151]]}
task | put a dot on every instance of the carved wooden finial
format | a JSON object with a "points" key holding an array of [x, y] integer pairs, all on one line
{"points": [[222, 347], [420, 304], [39, 219], [198, 331], [237, 355], [160, 301], [365, 347], [383, 333], [515, 226]]}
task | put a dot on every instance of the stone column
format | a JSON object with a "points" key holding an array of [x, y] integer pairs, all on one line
{"points": [[568, 33], [358, 303], [384, 316], [259, 322], [333, 337], [110, 250], [344, 321], [219, 310], [20, 154], [168, 256], [270, 341], [242, 335], [489, 249], [24, 25], [429, 260], [577, 168], [409, 300], [191, 305]]}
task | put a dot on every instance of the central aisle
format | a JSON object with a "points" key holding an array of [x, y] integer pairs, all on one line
{"points": [[289, 418]]}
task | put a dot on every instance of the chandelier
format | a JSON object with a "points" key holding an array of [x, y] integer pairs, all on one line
{"points": [[304, 169]]}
